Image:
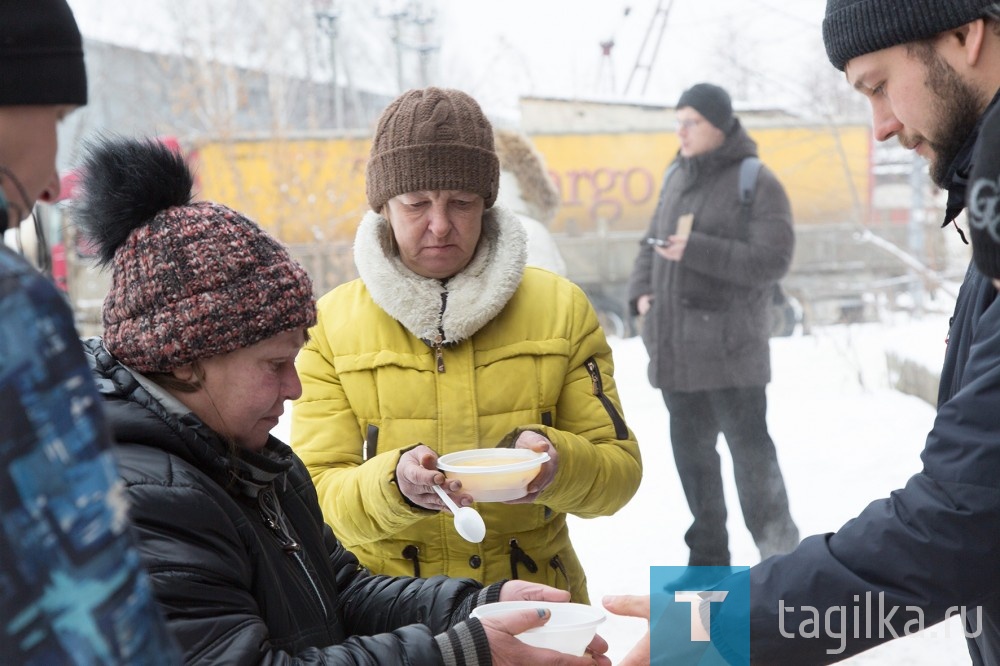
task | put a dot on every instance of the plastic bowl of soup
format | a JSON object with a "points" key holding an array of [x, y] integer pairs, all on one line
{"points": [[570, 628], [493, 475]]}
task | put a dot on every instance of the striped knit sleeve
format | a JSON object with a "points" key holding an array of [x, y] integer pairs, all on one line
{"points": [[465, 644], [487, 595]]}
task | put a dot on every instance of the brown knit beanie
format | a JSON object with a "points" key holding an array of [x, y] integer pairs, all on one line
{"points": [[190, 280], [432, 139]]}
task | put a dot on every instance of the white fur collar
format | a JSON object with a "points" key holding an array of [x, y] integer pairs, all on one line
{"points": [[474, 297]]}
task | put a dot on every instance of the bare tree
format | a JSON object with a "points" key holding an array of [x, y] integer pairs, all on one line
{"points": [[737, 66]]}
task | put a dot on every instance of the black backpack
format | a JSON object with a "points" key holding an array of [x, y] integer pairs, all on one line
{"points": [[747, 185]]}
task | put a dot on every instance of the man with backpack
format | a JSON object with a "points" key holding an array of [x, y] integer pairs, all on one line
{"points": [[720, 239]]}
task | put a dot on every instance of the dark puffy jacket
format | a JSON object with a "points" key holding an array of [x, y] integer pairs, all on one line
{"points": [[932, 548], [709, 325], [933, 545], [241, 561]]}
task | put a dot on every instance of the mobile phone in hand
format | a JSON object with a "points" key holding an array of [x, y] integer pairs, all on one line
{"points": [[658, 242]]}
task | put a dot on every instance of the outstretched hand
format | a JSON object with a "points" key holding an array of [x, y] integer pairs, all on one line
{"points": [[632, 606], [523, 590]]}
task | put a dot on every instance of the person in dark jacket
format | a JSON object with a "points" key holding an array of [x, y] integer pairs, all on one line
{"points": [[72, 589], [929, 551], [703, 281], [203, 321], [983, 199], [931, 72]]}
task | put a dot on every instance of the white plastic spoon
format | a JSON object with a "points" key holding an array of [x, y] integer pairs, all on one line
{"points": [[468, 523]]}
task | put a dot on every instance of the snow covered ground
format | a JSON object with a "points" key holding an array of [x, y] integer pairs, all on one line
{"points": [[844, 438]]}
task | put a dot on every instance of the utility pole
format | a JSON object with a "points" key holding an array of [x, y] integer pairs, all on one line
{"points": [[607, 69], [396, 17], [411, 14], [643, 61], [423, 18], [326, 21], [607, 66]]}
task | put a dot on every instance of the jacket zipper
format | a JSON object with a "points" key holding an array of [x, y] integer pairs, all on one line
{"points": [[370, 446], [439, 338], [518, 556], [411, 552], [438, 352], [270, 511], [621, 430], [556, 563]]}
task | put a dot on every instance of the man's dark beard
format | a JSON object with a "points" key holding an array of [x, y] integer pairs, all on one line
{"points": [[957, 107]]}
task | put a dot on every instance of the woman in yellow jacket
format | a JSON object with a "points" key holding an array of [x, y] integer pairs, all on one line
{"points": [[447, 342]]}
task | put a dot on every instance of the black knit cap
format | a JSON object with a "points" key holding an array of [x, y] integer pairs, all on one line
{"points": [[856, 27], [710, 101], [983, 197], [41, 54]]}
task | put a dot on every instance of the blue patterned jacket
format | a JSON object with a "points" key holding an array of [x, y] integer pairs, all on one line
{"points": [[72, 590]]}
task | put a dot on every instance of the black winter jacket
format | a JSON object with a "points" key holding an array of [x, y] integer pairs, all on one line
{"points": [[242, 563], [709, 327], [930, 550]]}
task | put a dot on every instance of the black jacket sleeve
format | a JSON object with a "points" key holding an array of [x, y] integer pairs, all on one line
{"points": [[203, 581], [375, 603], [929, 550]]}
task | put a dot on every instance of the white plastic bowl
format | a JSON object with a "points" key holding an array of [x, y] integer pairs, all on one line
{"points": [[570, 628], [493, 475]]}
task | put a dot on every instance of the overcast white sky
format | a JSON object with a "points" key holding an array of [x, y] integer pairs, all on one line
{"points": [[553, 45], [766, 52]]}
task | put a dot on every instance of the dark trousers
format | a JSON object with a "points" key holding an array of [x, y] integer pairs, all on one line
{"points": [[696, 419]]}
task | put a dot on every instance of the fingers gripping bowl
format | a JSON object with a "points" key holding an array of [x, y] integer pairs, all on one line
{"points": [[570, 628], [493, 475]]}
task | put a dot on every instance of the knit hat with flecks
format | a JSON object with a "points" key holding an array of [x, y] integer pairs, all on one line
{"points": [[190, 280]]}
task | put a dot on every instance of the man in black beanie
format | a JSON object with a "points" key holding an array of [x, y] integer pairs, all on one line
{"points": [[72, 589], [712, 102], [42, 80], [705, 296], [931, 72]]}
